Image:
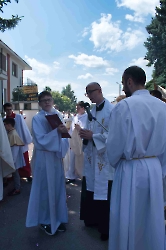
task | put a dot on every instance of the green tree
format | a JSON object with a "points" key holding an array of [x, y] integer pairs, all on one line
{"points": [[150, 85], [63, 102], [156, 44], [47, 88], [8, 23], [67, 91], [18, 94]]}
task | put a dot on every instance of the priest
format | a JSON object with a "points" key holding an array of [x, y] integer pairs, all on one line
{"points": [[136, 148], [97, 172]]}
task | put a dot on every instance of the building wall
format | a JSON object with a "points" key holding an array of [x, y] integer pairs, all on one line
{"points": [[29, 114], [15, 80]]}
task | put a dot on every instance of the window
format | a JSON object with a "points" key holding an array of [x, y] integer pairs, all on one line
{"points": [[4, 96], [16, 106], [2, 61], [14, 69], [27, 106]]}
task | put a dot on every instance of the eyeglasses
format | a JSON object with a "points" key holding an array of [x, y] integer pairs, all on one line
{"points": [[49, 100], [89, 92]]}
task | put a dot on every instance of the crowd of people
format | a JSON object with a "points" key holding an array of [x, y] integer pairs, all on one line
{"points": [[119, 152]]}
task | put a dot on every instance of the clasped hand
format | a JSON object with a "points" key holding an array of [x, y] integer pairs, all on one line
{"points": [[86, 134], [62, 129]]}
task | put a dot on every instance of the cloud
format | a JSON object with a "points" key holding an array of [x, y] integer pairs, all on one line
{"points": [[111, 71], [41, 68], [141, 8], [112, 95], [89, 61], [107, 35], [56, 65], [44, 75], [141, 62], [85, 31], [103, 84], [134, 18], [86, 76]]}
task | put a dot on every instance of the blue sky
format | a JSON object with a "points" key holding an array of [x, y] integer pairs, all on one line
{"points": [[80, 41]]}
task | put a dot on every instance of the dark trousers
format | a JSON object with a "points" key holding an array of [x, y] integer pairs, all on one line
{"points": [[95, 212]]}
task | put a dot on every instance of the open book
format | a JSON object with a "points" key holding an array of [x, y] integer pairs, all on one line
{"points": [[55, 121]]}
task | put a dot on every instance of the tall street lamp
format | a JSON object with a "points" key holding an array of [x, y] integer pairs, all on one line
{"points": [[120, 86]]}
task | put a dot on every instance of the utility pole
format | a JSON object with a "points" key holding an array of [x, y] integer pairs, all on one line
{"points": [[119, 87]]}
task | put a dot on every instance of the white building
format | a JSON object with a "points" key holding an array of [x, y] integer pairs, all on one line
{"points": [[11, 73]]}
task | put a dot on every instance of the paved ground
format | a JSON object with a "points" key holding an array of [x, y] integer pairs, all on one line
{"points": [[15, 236]]}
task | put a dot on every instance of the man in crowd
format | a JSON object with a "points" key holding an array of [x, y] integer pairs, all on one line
{"points": [[136, 148], [24, 134], [16, 145], [79, 121], [97, 173], [6, 160], [156, 93], [47, 203]]}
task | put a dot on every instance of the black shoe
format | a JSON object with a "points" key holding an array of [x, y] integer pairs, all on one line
{"points": [[14, 192], [29, 179], [90, 224], [61, 228], [70, 181], [46, 228], [104, 237]]}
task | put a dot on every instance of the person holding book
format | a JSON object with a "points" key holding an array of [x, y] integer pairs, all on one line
{"points": [[47, 204]]}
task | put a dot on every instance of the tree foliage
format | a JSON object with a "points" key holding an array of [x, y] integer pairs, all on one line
{"points": [[66, 100], [8, 23], [47, 88], [150, 85], [156, 44], [18, 94], [63, 102], [67, 91]]}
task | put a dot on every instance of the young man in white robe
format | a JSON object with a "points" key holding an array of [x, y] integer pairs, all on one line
{"points": [[6, 160], [47, 204], [75, 151], [24, 133], [97, 172], [136, 148]]}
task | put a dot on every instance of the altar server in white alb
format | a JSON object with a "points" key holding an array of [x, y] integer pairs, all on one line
{"points": [[6, 159], [47, 204], [97, 173], [16, 145], [24, 133], [137, 150], [76, 154]]}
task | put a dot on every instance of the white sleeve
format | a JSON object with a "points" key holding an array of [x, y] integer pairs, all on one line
{"points": [[117, 135]]}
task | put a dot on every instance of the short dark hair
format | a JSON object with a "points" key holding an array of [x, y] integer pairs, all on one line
{"points": [[94, 83], [43, 94], [156, 93], [10, 121], [81, 104], [136, 73], [7, 105]]}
